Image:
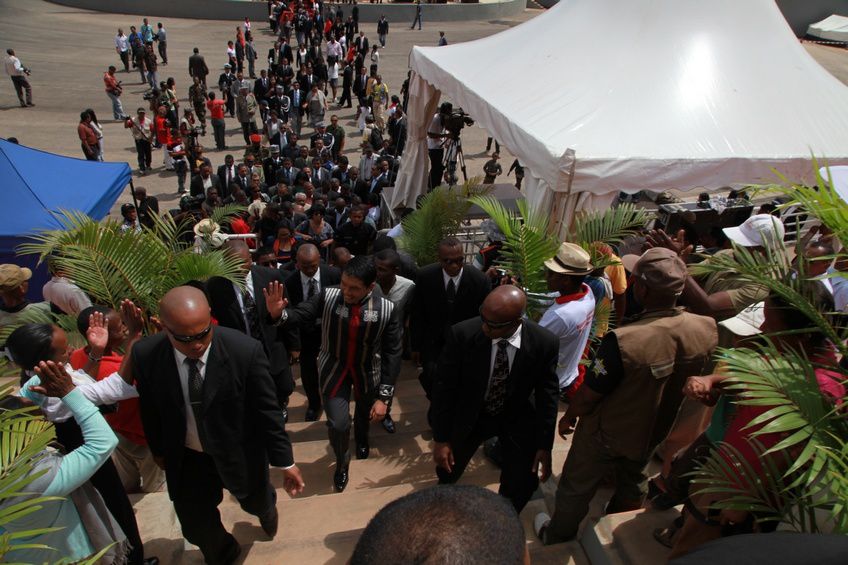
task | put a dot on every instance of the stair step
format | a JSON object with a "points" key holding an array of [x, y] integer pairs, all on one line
{"points": [[570, 553], [627, 537]]}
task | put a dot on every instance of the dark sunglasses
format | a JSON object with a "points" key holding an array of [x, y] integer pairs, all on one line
{"points": [[190, 338], [458, 261], [497, 325]]}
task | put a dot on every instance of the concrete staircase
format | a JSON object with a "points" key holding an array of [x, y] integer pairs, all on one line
{"points": [[321, 526]]}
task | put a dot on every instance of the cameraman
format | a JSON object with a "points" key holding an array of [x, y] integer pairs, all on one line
{"points": [[436, 134], [18, 73], [113, 91]]}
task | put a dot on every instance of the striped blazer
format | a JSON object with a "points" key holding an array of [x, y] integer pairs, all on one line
{"points": [[377, 340]]}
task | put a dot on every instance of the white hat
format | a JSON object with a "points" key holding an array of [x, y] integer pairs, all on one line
{"points": [[757, 231], [747, 322], [839, 176]]}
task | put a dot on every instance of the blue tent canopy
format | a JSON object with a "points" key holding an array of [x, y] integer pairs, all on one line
{"points": [[34, 184]]}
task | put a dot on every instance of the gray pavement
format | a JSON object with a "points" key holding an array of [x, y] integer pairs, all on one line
{"points": [[69, 49]]}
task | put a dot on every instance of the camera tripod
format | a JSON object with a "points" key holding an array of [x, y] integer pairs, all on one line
{"points": [[453, 155]]}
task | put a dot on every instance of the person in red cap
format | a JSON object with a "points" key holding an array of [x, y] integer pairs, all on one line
{"points": [[630, 395]]}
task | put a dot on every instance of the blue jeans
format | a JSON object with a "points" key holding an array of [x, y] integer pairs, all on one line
{"points": [[117, 108]]}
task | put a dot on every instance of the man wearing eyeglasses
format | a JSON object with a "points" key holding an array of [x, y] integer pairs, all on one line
{"points": [[210, 415], [446, 293], [497, 378]]}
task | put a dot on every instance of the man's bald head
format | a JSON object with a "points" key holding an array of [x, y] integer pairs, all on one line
{"points": [[238, 248], [502, 310], [182, 303], [308, 259], [187, 319]]}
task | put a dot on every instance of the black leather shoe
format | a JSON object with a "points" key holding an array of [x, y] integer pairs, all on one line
{"points": [[389, 424], [362, 451], [233, 554], [285, 415], [312, 415], [270, 523], [340, 478]]}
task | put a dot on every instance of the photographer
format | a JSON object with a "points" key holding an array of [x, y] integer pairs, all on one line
{"points": [[18, 73], [436, 134], [113, 91]]}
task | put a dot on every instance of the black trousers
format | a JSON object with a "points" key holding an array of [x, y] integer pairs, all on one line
{"points": [[196, 496], [345, 97], [145, 154], [108, 483], [518, 482], [125, 59], [437, 169], [337, 409], [310, 342]]}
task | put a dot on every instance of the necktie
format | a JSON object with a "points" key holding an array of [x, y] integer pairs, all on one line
{"points": [[310, 291], [195, 389], [229, 177], [251, 315], [496, 396], [450, 291]]}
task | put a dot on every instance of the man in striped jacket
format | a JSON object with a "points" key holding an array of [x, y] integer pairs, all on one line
{"points": [[359, 357]]}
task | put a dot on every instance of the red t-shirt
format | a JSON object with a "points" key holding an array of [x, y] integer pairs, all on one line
{"points": [[216, 109], [127, 419], [738, 433]]}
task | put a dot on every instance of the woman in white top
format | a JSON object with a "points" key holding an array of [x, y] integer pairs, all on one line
{"points": [[302, 59], [375, 58], [98, 130], [333, 75]]}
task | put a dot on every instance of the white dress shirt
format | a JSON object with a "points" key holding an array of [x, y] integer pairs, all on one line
{"points": [[122, 42], [192, 437], [514, 345], [103, 392], [304, 281], [248, 283], [447, 278]]}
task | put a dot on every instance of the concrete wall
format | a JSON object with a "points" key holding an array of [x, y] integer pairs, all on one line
{"points": [[258, 11]]}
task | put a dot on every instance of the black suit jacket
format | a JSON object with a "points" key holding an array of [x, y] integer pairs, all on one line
{"points": [[222, 176], [431, 317], [197, 66], [225, 308], [463, 378], [330, 276], [241, 425], [196, 186], [260, 91]]}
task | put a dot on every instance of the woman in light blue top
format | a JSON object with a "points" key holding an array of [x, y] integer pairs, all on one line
{"points": [[85, 524]]}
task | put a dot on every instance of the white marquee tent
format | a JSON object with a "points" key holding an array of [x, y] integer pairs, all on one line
{"points": [[598, 96], [833, 28]]}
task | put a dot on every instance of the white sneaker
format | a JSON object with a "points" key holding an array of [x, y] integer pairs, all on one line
{"points": [[540, 524]]}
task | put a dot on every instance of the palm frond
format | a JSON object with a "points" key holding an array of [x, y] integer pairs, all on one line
{"points": [[527, 245], [439, 215], [223, 215]]}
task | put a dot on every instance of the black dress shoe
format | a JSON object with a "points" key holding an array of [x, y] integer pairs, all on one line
{"points": [[389, 424], [362, 451], [285, 415], [312, 415], [340, 478], [233, 554], [270, 523]]}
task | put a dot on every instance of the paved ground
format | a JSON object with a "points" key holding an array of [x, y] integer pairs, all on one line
{"points": [[69, 49]]}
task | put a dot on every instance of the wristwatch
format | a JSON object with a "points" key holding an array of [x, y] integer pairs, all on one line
{"points": [[385, 392]]}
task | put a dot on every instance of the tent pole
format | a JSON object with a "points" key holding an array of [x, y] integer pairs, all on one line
{"points": [[132, 191]]}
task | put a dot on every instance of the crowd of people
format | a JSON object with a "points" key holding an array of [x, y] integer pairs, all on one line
{"points": [[200, 403]]}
